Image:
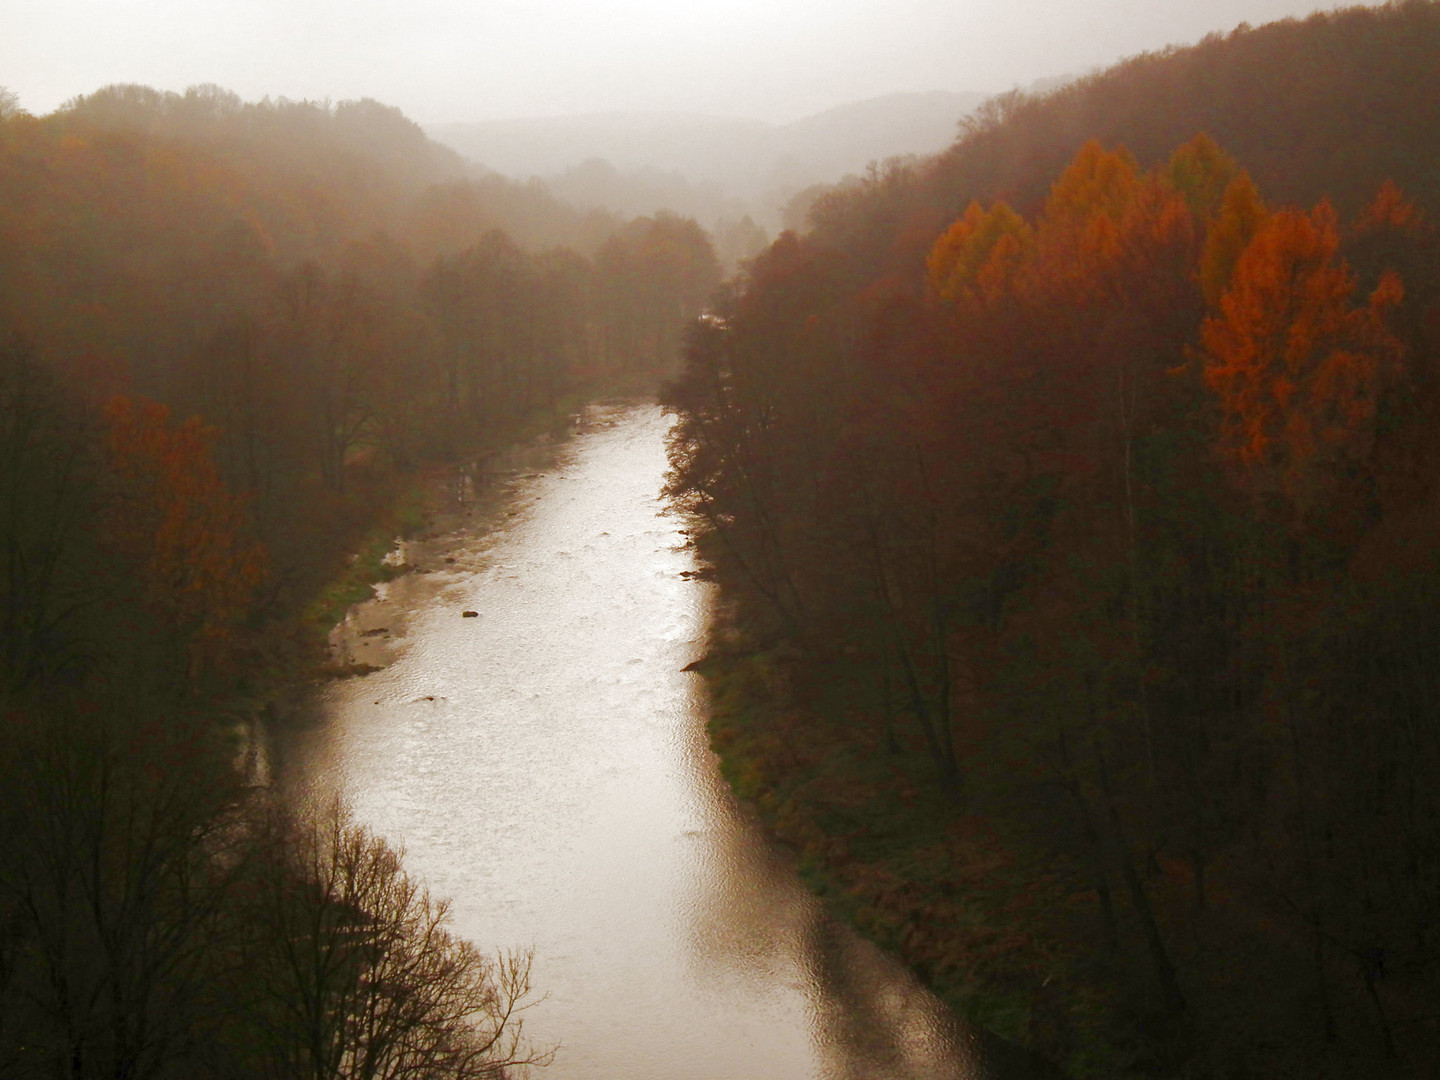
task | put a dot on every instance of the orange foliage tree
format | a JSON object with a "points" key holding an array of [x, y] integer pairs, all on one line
{"points": [[1241, 215], [174, 518], [1096, 181], [1297, 366], [980, 251]]}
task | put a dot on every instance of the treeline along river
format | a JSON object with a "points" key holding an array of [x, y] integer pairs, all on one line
{"points": [[545, 764]]}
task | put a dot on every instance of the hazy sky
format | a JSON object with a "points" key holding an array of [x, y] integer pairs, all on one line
{"points": [[442, 60]]}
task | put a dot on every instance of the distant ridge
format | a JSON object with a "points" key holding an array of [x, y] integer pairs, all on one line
{"points": [[749, 159]]}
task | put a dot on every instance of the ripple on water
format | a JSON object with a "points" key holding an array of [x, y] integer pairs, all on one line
{"points": [[546, 766]]}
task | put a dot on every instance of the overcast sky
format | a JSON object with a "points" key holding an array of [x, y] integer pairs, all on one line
{"points": [[446, 60]]}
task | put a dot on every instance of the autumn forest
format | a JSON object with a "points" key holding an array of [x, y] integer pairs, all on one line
{"points": [[235, 337], [1076, 491], [1071, 496]]}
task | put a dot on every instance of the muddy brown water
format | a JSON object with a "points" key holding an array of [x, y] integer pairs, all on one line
{"points": [[545, 765]]}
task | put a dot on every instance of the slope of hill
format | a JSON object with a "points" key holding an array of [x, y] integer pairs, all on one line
{"points": [[1321, 107], [826, 146], [1329, 107], [694, 144], [1074, 497]]}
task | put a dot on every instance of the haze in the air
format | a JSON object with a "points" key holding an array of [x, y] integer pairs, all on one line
{"points": [[455, 60]]}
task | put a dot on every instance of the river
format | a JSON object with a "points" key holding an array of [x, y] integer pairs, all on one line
{"points": [[545, 765]]}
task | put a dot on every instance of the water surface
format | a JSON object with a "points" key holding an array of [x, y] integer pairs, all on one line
{"points": [[545, 765]]}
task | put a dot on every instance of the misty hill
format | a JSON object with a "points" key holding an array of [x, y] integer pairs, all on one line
{"points": [[1328, 106], [826, 146], [331, 144], [322, 174], [544, 146], [698, 162]]}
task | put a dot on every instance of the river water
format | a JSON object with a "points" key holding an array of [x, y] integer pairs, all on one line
{"points": [[545, 765]]}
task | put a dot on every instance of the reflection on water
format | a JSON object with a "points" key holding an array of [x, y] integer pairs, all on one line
{"points": [[545, 765]]}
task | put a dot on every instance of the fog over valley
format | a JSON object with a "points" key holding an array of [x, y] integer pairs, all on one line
{"points": [[636, 540], [444, 61], [716, 110], [716, 169]]}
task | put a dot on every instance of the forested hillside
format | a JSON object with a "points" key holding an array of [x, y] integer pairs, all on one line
{"points": [[1074, 494], [231, 336], [322, 285], [1327, 107]]}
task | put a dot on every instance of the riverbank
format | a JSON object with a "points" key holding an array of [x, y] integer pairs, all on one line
{"points": [[998, 926], [350, 551], [546, 764], [409, 506], [881, 845]]}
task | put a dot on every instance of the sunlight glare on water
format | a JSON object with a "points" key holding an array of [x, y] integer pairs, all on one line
{"points": [[545, 764]]}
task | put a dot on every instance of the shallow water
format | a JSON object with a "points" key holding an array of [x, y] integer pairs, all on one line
{"points": [[545, 764]]}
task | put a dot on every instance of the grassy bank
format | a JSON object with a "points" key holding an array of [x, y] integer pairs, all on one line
{"points": [[338, 554]]}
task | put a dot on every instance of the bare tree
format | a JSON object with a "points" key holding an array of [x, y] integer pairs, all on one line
{"points": [[45, 503], [117, 852], [359, 975]]}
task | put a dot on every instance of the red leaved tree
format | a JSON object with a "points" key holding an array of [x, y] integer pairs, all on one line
{"points": [[1297, 365], [176, 521]]}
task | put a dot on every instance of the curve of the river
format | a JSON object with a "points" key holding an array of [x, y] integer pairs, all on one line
{"points": [[545, 765]]}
